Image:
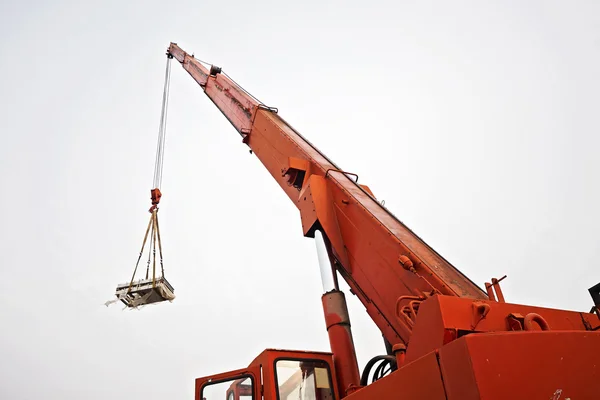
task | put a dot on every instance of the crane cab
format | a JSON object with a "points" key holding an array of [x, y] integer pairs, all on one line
{"points": [[274, 375]]}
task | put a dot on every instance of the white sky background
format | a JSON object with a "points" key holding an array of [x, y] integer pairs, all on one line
{"points": [[476, 123]]}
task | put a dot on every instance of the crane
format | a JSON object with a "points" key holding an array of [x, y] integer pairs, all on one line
{"points": [[445, 337]]}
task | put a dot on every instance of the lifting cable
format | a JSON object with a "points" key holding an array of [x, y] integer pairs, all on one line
{"points": [[155, 193], [162, 130]]}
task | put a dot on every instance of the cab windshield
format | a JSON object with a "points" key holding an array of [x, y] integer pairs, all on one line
{"points": [[303, 380]]}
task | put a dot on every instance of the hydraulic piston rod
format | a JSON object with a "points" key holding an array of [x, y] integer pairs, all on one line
{"points": [[337, 320]]}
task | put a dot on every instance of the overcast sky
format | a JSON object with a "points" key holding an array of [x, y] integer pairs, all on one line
{"points": [[477, 124]]}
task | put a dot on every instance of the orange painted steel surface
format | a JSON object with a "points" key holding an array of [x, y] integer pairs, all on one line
{"points": [[522, 365], [444, 318], [367, 240], [418, 380]]}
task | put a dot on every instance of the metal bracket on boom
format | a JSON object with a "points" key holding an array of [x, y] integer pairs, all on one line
{"points": [[214, 70], [495, 287], [245, 135], [343, 172], [274, 110], [296, 172]]}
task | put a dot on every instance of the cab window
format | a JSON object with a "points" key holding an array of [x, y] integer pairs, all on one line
{"points": [[303, 379], [240, 388]]}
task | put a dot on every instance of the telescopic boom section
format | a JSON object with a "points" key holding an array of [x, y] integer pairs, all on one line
{"points": [[385, 264]]}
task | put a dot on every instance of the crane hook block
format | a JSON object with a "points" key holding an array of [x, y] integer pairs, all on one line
{"points": [[155, 196]]}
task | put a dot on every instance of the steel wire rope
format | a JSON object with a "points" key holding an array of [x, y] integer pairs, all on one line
{"points": [[231, 79], [162, 130], [241, 87]]}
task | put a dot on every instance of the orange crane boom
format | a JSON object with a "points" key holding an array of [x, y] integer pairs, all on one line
{"points": [[357, 225], [446, 338]]}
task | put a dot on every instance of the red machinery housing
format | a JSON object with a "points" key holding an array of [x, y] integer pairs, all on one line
{"points": [[445, 337]]}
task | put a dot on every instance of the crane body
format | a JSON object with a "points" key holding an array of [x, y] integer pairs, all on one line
{"points": [[445, 337]]}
